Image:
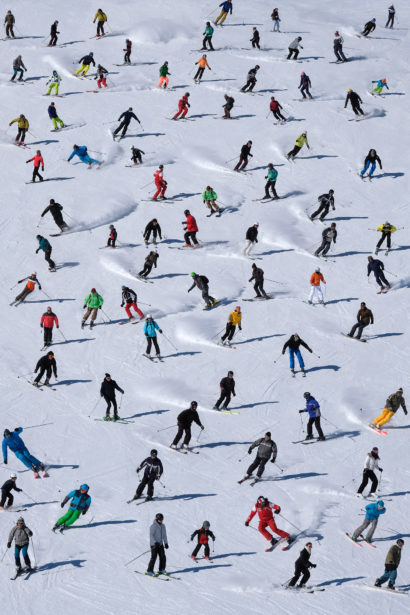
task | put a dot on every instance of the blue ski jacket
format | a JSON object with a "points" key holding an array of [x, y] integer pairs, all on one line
{"points": [[312, 407], [373, 512], [13, 442], [227, 7], [81, 152], [149, 328], [79, 501]]}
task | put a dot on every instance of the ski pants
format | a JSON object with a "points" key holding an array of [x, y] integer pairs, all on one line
{"points": [[316, 290], [255, 43], [182, 111], [124, 126], [384, 417], [24, 293], [23, 549], [277, 115], [276, 25], [339, 54], [292, 354], [271, 523], [225, 395], [227, 111], [146, 480], [363, 526], [136, 158], [270, 184], [229, 332], [359, 326], [304, 89], [259, 463], [191, 235], [47, 256], [15, 71], [9, 30], [324, 247], [383, 237], [388, 575], [102, 81], [223, 15], [48, 335], [324, 207], [380, 278], [199, 73], [100, 28], [157, 551], [113, 401], [127, 57], [314, 420], [83, 68], [211, 205], [163, 80], [69, 518], [161, 188], [21, 135], [390, 21], [242, 164], [300, 569], [56, 120], [181, 429], [111, 242], [207, 39], [248, 246], [368, 475], [366, 31], [377, 90], [6, 496], [88, 160], [150, 341], [258, 288], [53, 40], [294, 52], [293, 152], [368, 164], [249, 85], [146, 270], [198, 547], [93, 312], [133, 305], [357, 109], [27, 459], [53, 86], [41, 373], [207, 297]]}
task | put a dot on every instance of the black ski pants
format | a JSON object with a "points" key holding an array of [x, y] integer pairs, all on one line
{"points": [[314, 420], [127, 57], [339, 54], [150, 341], [198, 74], [36, 173], [180, 433], [322, 208], [197, 549], [249, 85], [21, 135], [191, 235], [368, 475], [390, 21], [47, 256], [357, 109], [359, 326], [110, 401], [270, 184], [157, 550], [255, 43], [324, 248], [207, 39], [124, 126], [383, 237], [225, 395], [259, 463], [6, 496], [100, 28], [229, 332], [258, 286], [300, 569], [293, 152], [381, 278], [146, 271], [146, 480], [48, 371], [48, 335], [277, 114], [295, 53]]}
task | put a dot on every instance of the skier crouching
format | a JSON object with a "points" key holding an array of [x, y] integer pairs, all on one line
{"points": [[266, 510]]}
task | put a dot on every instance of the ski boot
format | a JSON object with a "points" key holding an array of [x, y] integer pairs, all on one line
{"points": [[150, 574], [377, 583], [310, 302], [273, 541], [54, 528], [35, 384], [215, 408], [107, 417], [292, 371], [91, 325], [309, 437], [302, 369], [391, 586], [46, 382], [164, 572], [148, 498], [116, 417], [321, 438], [185, 446], [174, 446], [82, 324]]}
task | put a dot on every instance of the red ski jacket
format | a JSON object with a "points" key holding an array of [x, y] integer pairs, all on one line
{"points": [[274, 105], [48, 319], [38, 159], [265, 512], [183, 102], [158, 177], [191, 223]]}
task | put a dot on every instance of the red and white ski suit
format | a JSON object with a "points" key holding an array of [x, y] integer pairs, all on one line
{"points": [[265, 513], [160, 183]]}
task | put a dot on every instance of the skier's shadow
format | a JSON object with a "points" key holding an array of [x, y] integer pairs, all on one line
{"points": [[237, 117], [396, 494], [213, 557], [182, 354], [199, 568], [73, 466], [135, 416], [339, 218], [69, 264], [185, 195], [259, 339], [36, 78], [40, 503], [150, 134], [257, 403], [166, 275], [188, 496], [281, 477], [97, 523], [79, 341], [342, 434], [318, 156], [317, 368], [50, 300], [339, 581], [350, 253], [293, 193], [393, 175], [341, 300], [45, 142], [78, 563], [203, 115], [68, 382], [375, 337]]}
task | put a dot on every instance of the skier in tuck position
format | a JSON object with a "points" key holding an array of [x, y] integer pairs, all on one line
{"points": [[266, 510], [370, 26], [302, 565], [328, 235], [386, 230], [373, 512], [227, 388], [390, 565], [326, 201], [150, 331], [129, 298], [393, 403], [21, 535], [371, 463], [79, 505], [158, 540], [55, 210], [82, 153], [93, 302], [107, 390], [203, 535], [149, 263], [234, 319], [46, 364], [364, 319], [13, 441], [185, 420], [153, 471], [47, 322], [294, 343], [202, 283], [377, 267], [266, 449], [6, 489], [315, 279], [313, 408]]}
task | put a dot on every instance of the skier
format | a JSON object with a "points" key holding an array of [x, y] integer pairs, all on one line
{"points": [[369, 27], [266, 449], [203, 534], [326, 201], [393, 403], [276, 20], [202, 64], [45, 245], [37, 161], [304, 85], [29, 287], [355, 101], [235, 318], [13, 441], [101, 76], [294, 343], [373, 512], [386, 230], [257, 275], [163, 75], [79, 505], [55, 209], [160, 183], [153, 471], [338, 48], [53, 115], [328, 235], [202, 283], [18, 67], [185, 420], [23, 126], [136, 157], [392, 560], [228, 106], [129, 297], [191, 229], [93, 302], [46, 364], [53, 34], [255, 38], [6, 490], [9, 23], [85, 64], [157, 540], [315, 279], [266, 510], [378, 269], [370, 464], [294, 48], [47, 321], [381, 83], [302, 565], [107, 390], [300, 142], [21, 535], [226, 8], [227, 387], [209, 197], [101, 18], [150, 329], [251, 238], [112, 237], [313, 408], [275, 107], [154, 228], [390, 18], [272, 176], [250, 79], [244, 155], [150, 261], [54, 82], [183, 106], [128, 48], [364, 318], [209, 31], [125, 118], [82, 153]]}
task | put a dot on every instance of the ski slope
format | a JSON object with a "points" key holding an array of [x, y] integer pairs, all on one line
{"points": [[85, 567]]}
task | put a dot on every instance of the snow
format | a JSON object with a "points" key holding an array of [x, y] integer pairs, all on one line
{"points": [[86, 565]]}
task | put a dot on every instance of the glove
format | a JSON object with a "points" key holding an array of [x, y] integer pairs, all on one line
{"points": [[246, 523], [266, 177], [62, 504], [41, 326], [283, 352], [249, 451], [313, 565], [250, 280], [84, 511], [240, 328], [300, 411], [202, 427], [27, 161], [192, 537], [138, 470], [39, 287], [166, 546], [277, 511], [381, 469], [272, 461], [57, 326], [17, 489], [8, 545], [84, 306], [160, 330], [405, 411], [100, 307]]}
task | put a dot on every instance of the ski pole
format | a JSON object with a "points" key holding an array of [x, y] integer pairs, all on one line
{"points": [[219, 333], [142, 187], [164, 428], [281, 469], [278, 357], [267, 389], [292, 524], [64, 337], [348, 483], [30, 133], [92, 411], [34, 552], [29, 496], [106, 315], [387, 271], [45, 294], [3, 555], [199, 435], [380, 481], [119, 407], [168, 340], [226, 161], [274, 281], [242, 458], [316, 355], [14, 286], [330, 423], [133, 560], [142, 303], [161, 483]]}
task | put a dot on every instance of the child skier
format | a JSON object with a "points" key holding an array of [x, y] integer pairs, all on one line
{"points": [[136, 157], [160, 183], [12, 440], [266, 510], [79, 505], [6, 489], [101, 76], [163, 75], [203, 534]]}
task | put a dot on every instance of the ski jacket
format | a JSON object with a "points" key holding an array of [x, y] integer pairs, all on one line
{"points": [[209, 195], [316, 279], [274, 105], [365, 316], [373, 512], [275, 14], [338, 42], [251, 76], [303, 559], [9, 18], [48, 320], [257, 274], [108, 388], [200, 281], [100, 16], [31, 284], [203, 62], [47, 363], [189, 416], [226, 7], [87, 60], [38, 160], [18, 64], [79, 501], [327, 200], [54, 78], [312, 407], [13, 442], [371, 462], [393, 557], [266, 448], [127, 116], [53, 29], [93, 300], [394, 401], [252, 234], [354, 99], [21, 535], [158, 179], [150, 328], [255, 37], [301, 141], [191, 223], [294, 343], [81, 152], [386, 228], [329, 234], [153, 467], [376, 266], [392, 10], [128, 296], [43, 244], [101, 72], [113, 234], [153, 227], [157, 534], [265, 512], [151, 259], [52, 112], [21, 122], [272, 175], [209, 31], [163, 71], [203, 536], [370, 25], [128, 46], [227, 384], [295, 44], [373, 158], [229, 102], [235, 318], [246, 151], [305, 81], [183, 102], [9, 485]]}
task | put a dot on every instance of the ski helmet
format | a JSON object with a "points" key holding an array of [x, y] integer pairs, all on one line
{"points": [[306, 395], [38, 237], [270, 166], [193, 274], [302, 73], [13, 476], [374, 20], [149, 316], [54, 72], [383, 80], [257, 67], [123, 287], [268, 433], [84, 487], [93, 290], [154, 452], [75, 146], [20, 520], [111, 226], [206, 525], [317, 270], [187, 94], [194, 403], [161, 166], [331, 191], [91, 54], [261, 500], [204, 56], [208, 188], [129, 108], [400, 391], [186, 212], [159, 517], [237, 309]]}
